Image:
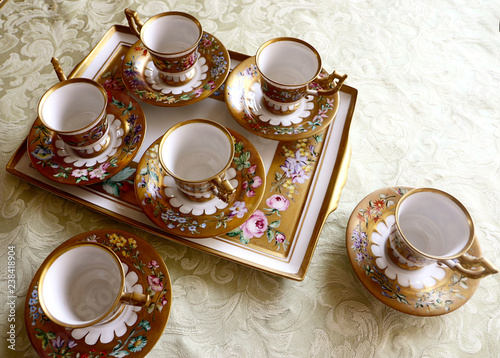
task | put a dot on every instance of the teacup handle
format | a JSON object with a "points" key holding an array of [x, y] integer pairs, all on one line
{"points": [[135, 299], [467, 261], [134, 22], [225, 191], [333, 82], [58, 69]]}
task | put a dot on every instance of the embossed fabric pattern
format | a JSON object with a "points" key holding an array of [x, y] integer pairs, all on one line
{"points": [[427, 115]]}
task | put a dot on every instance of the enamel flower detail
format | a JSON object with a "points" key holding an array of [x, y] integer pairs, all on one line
{"points": [[238, 209], [278, 202], [155, 283], [255, 226]]}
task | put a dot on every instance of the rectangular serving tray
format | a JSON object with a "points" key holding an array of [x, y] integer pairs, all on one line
{"points": [[316, 203]]}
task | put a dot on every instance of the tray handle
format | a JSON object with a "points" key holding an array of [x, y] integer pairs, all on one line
{"points": [[58, 69], [340, 181]]}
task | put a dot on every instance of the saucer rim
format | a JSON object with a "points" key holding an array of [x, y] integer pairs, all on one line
{"points": [[239, 114], [217, 83], [154, 334], [112, 170], [374, 288], [257, 199]]}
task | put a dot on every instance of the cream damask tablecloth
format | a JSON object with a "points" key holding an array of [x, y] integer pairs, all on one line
{"points": [[427, 114]]}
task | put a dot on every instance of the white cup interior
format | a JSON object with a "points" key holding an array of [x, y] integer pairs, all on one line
{"points": [[171, 34], [196, 151], [288, 63], [82, 285], [73, 107], [434, 224]]}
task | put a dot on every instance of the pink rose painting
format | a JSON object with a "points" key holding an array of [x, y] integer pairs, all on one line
{"points": [[278, 202], [157, 288], [257, 181], [254, 182], [280, 238], [153, 264], [100, 172], [255, 226], [252, 169], [155, 283], [258, 224]]}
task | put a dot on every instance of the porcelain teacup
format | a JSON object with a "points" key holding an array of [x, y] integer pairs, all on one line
{"points": [[197, 154], [75, 109], [434, 227], [172, 40], [84, 285], [288, 68]]}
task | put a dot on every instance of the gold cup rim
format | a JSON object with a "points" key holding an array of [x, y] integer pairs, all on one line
{"points": [[64, 83], [170, 13], [470, 222], [191, 121], [58, 254], [290, 39]]}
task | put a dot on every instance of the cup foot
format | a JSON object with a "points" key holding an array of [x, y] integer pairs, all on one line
{"points": [[177, 80], [158, 83], [197, 208], [70, 155], [261, 107], [417, 279], [201, 198], [281, 109], [395, 259], [95, 150]]}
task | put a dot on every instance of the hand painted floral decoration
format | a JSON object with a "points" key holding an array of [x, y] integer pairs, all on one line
{"points": [[300, 158], [258, 224], [297, 168]]}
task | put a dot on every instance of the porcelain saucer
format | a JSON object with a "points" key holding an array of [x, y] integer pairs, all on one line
{"points": [[243, 97], [53, 159], [142, 79], [430, 291], [168, 209], [134, 332]]}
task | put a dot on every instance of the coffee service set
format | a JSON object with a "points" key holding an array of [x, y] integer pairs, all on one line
{"points": [[430, 228]]}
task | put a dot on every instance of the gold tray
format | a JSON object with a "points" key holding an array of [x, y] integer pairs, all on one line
{"points": [[294, 208]]}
